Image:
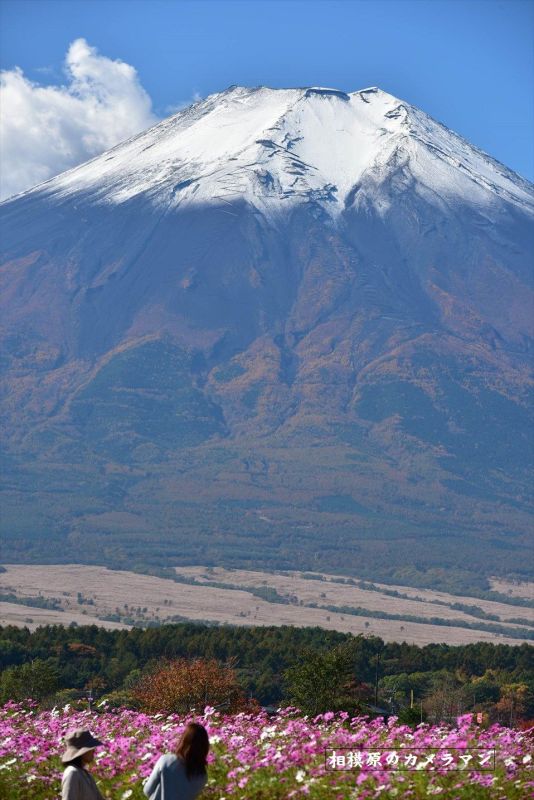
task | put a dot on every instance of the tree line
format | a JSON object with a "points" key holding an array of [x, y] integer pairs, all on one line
{"points": [[317, 670]]}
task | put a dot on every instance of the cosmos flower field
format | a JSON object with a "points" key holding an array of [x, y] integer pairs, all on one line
{"points": [[261, 757]]}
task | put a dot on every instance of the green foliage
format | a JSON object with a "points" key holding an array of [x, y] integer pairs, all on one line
{"points": [[269, 594], [36, 679], [75, 658], [323, 681], [34, 602], [412, 716], [121, 699]]}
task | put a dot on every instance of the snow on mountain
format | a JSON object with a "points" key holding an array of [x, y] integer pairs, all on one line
{"points": [[274, 147], [298, 305]]}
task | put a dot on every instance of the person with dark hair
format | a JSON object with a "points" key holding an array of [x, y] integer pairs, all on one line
{"points": [[181, 775], [77, 783]]}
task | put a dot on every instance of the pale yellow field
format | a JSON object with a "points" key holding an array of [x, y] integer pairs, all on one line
{"points": [[335, 593], [32, 618], [524, 589], [145, 598]]}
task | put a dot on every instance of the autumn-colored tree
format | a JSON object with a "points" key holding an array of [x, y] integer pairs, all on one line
{"points": [[81, 649], [182, 684], [514, 702], [444, 702]]}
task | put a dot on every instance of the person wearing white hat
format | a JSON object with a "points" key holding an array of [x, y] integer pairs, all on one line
{"points": [[77, 783]]}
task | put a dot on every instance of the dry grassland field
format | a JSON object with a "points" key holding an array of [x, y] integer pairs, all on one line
{"points": [[520, 589], [85, 594], [342, 594], [29, 617]]}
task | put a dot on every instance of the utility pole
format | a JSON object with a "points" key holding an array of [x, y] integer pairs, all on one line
{"points": [[376, 676]]}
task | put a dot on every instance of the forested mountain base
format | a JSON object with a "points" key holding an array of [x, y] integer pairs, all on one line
{"points": [[57, 664]]}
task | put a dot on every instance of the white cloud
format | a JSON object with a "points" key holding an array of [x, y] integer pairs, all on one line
{"points": [[173, 109], [47, 129]]}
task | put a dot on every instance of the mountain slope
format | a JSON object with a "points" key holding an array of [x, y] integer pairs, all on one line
{"points": [[296, 324]]}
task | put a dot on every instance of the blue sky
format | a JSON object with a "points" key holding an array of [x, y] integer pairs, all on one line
{"points": [[468, 64]]}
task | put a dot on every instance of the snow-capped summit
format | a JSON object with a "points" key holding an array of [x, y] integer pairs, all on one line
{"points": [[282, 321], [274, 147]]}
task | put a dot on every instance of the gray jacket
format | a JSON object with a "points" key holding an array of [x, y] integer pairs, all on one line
{"points": [[78, 784], [169, 780]]}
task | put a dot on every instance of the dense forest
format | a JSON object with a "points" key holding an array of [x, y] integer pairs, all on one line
{"points": [[235, 545], [56, 665]]}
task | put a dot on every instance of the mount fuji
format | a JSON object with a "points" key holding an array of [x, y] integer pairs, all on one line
{"points": [[287, 327]]}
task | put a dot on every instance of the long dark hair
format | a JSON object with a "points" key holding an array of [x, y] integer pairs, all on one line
{"points": [[193, 747], [76, 762]]}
